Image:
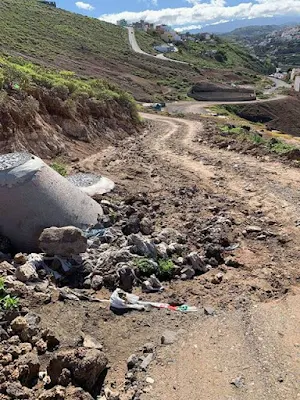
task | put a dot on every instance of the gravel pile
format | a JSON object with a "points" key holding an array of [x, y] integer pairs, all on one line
{"points": [[12, 160], [83, 180]]}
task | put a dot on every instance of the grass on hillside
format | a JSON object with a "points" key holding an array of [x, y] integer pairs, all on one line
{"points": [[273, 145], [45, 32], [17, 71]]}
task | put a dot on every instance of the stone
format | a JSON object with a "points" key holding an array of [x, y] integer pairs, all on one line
{"points": [[132, 225], [17, 391], [146, 361], [149, 347], [85, 365], [6, 268], [41, 346], [253, 229], [25, 348], [20, 258], [91, 343], [162, 250], [29, 367], [3, 334], [175, 248], [51, 339], [111, 394], [26, 273], [146, 226], [214, 251], [56, 393], [76, 393], [132, 361], [66, 241], [196, 262], [170, 235], [168, 337], [187, 273], [126, 277], [142, 247], [42, 287], [149, 380], [231, 262], [209, 310], [65, 377], [216, 279], [97, 282], [19, 324], [238, 382]]}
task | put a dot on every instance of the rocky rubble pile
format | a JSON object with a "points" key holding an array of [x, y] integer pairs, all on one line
{"points": [[27, 373], [124, 249]]}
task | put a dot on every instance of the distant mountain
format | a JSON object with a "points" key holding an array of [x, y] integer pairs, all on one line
{"points": [[232, 25]]}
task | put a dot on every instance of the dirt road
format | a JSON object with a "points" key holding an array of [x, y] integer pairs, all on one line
{"points": [[253, 340]]}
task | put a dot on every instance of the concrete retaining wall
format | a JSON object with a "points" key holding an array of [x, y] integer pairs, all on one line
{"points": [[222, 96], [33, 197]]}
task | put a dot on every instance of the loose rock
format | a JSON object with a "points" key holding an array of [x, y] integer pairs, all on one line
{"points": [[66, 241], [26, 273]]}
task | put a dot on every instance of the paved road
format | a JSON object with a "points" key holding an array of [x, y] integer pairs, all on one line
{"points": [[136, 48], [278, 84]]}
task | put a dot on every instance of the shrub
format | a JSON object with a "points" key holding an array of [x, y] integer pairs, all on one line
{"points": [[166, 268], [59, 167], [7, 302]]}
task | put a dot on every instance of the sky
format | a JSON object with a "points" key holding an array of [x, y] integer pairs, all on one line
{"points": [[182, 14]]}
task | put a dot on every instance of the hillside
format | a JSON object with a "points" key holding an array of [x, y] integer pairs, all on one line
{"points": [[92, 48], [55, 113], [278, 44]]}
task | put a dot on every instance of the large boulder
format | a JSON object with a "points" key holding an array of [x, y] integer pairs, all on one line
{"points": [[66, 241], [85, 365]]}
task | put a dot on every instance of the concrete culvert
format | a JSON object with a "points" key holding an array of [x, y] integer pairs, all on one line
{"points": [[92, 184], [33, 197]]}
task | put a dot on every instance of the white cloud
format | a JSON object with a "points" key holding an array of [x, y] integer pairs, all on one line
{"points": [[199, 13], [84, 6]]}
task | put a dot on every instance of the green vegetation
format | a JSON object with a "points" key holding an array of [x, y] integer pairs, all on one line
{"points": [[59, 167], [16, 71], [50, 33], [216, 53], [166, 268], [7, 302], [148, 267], [273, 145]]}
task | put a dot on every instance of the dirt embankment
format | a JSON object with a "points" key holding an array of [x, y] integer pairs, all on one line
{"points": [[47, 124], [282, 115]]}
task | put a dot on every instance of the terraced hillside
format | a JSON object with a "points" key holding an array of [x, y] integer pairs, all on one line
{"points": [[93, 48]]}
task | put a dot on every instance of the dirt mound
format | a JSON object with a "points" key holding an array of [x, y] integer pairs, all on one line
{"points": [[282, 115], [47, 124]]}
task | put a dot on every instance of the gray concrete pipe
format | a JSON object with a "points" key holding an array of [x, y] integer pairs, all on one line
{"points": [[33, 197]]}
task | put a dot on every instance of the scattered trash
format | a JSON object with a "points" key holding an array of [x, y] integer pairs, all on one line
{"points": [[123, 301], [232, 247]]}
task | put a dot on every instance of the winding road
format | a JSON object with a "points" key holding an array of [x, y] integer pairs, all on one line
{"points": [[136, 48]]}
